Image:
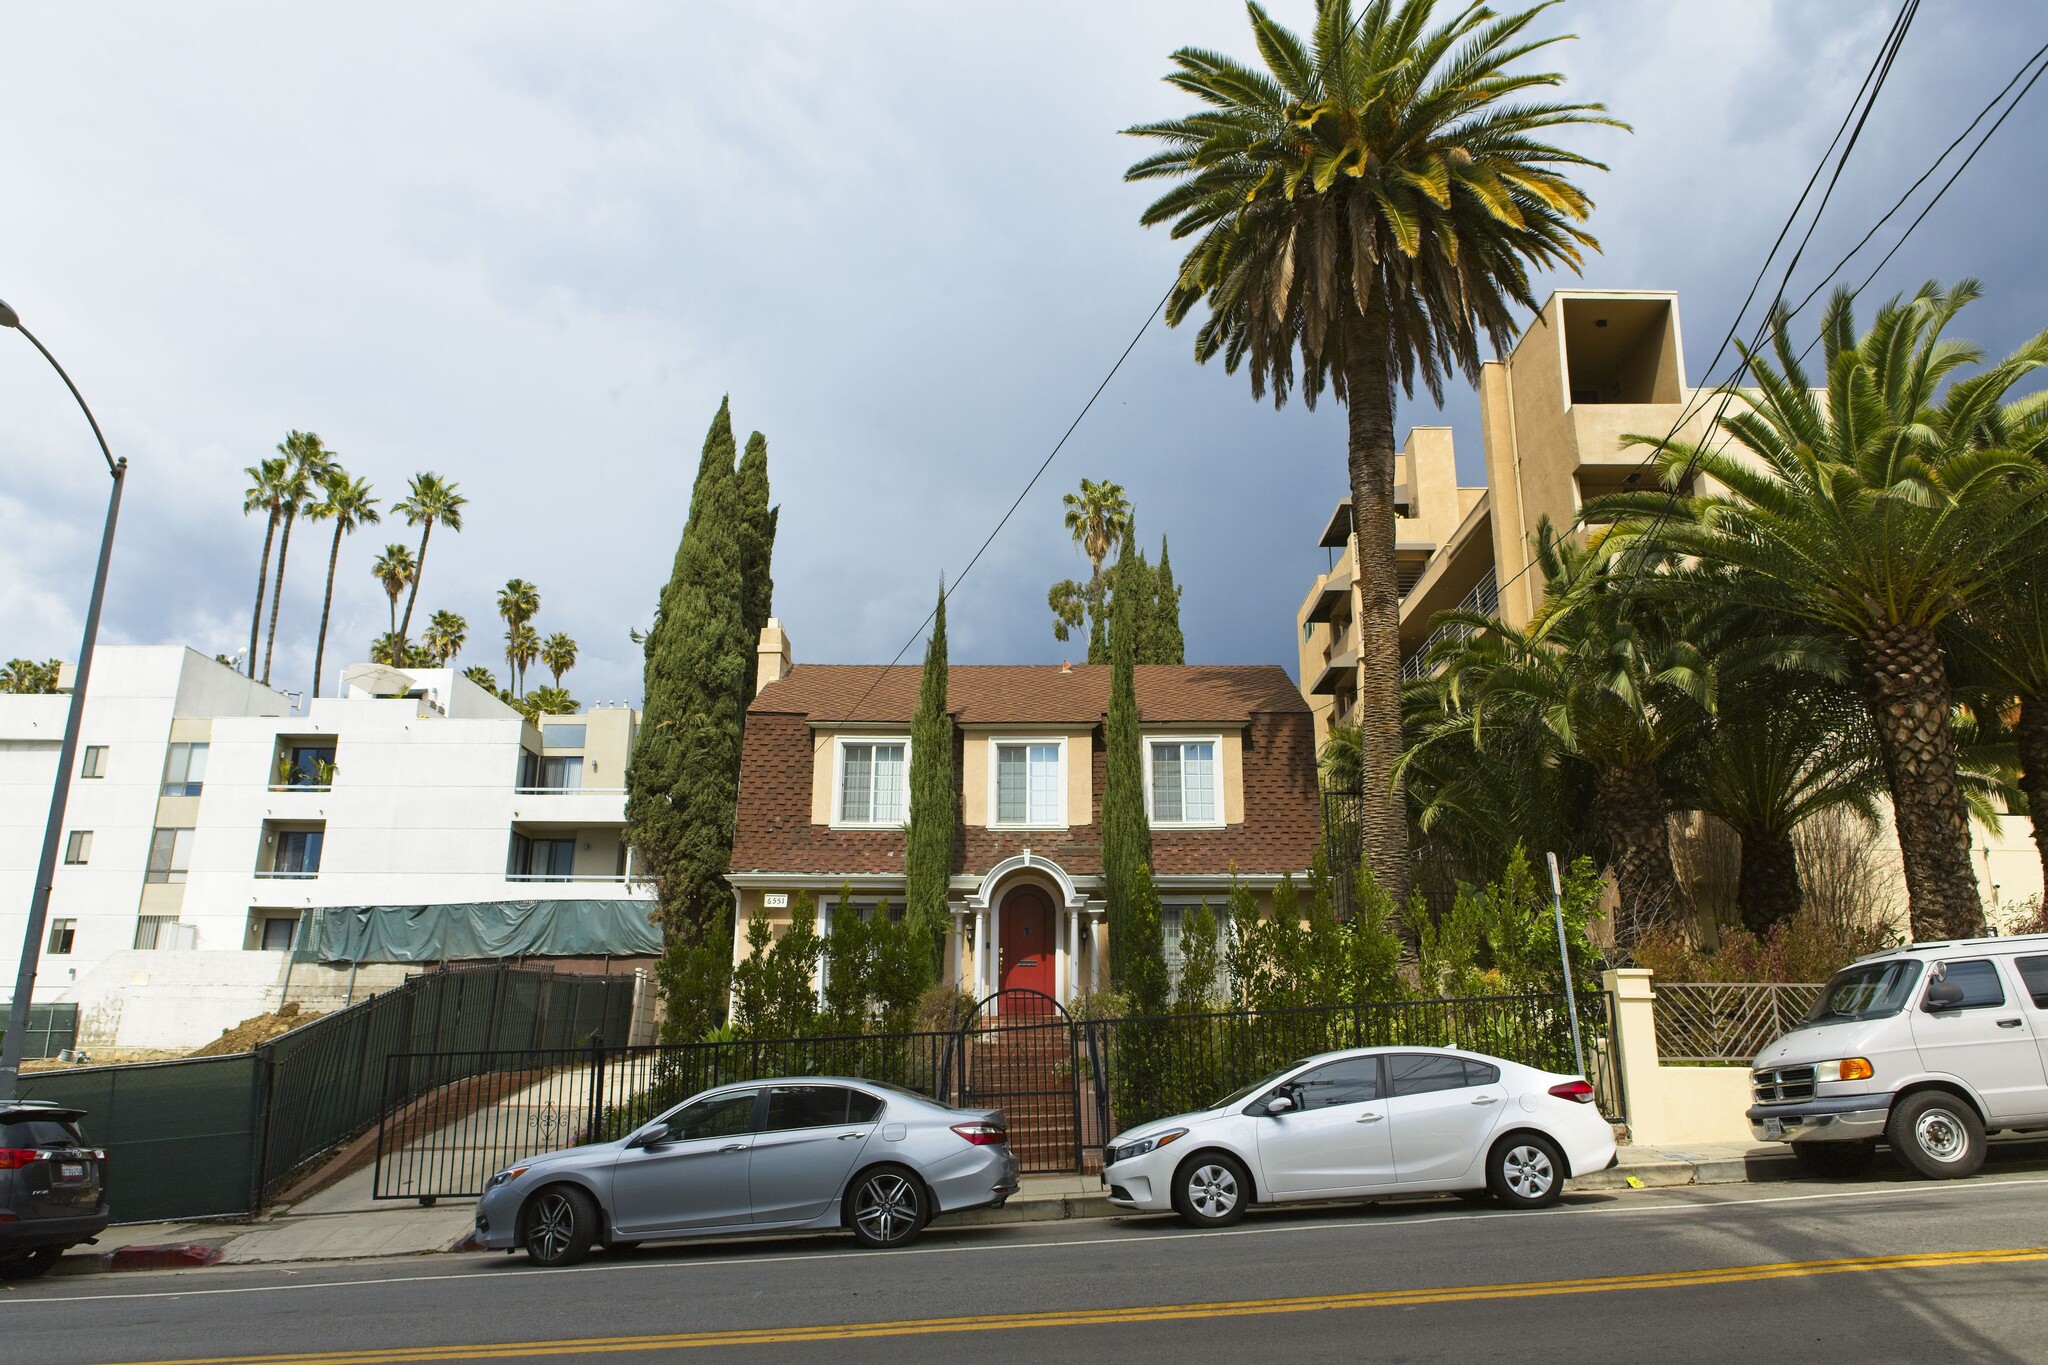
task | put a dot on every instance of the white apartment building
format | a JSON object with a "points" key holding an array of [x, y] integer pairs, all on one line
{"points": [[206, 817]]}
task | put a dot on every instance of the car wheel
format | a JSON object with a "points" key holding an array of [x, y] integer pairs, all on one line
{"points": [[560, 1226], [1835, 1160], [31, 1264], [1937, 1134], [1211, 1190], [1526, 1171], [887, 1207]]}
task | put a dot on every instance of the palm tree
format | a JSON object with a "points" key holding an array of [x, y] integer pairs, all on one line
{"points": [[348, 504], [28, 676], [559, 654], [482, 677], [446, 634], [1876, 510], [307, 464], [522, 647], [431, 499], [395, 568], [518, 601], [547, 701], [1598, 678], [1099, 519], [1373, 199], [265, 494]]}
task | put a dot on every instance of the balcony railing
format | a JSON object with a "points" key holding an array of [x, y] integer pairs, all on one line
{"points": [[275, 872], [1484, 598], [569, 791], [609, 877]]}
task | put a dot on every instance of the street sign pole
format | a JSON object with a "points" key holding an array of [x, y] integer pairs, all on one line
{"points": [[1564, 955]]}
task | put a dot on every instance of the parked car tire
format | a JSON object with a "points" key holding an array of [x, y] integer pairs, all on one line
{"points": [[1525, 1171], [1835, 1160], [886, 1207], [559, 1226], [30, 1264], [1211, 1190], [1938, 1134]]}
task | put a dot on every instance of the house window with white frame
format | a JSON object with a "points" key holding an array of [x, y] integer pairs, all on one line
{"points": [[872, 782], [1173, 918], [862, 907], [1182, 781], [1028, 786]]}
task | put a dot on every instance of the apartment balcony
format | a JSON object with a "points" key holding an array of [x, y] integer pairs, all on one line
{"points": [[1339, 674], [577, 806]]}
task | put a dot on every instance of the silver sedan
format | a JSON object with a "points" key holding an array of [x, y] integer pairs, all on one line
{"points": [[804, 1153]]}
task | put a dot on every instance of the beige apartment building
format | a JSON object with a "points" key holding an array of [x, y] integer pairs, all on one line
{"points": [[1593, 366]]}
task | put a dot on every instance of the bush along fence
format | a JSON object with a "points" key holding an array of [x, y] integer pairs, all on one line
{"points": [[219, 1136], [1066, 1085]]}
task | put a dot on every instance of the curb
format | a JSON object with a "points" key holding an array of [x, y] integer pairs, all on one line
{"points": [[160, 1256]]}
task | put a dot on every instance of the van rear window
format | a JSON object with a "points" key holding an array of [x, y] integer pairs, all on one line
{"points": [[2034, 972]]}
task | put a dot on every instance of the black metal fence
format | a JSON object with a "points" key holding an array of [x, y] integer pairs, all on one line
{"points": [[51, 1029], [218, 1136], [450, 1120]]}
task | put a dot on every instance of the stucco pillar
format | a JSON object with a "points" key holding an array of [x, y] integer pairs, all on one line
{"points": [[956, 950], [1635, 1043], [1073, 956]]}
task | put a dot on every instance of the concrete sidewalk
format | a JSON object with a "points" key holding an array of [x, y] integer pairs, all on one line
{"points": [[344, 1223]]}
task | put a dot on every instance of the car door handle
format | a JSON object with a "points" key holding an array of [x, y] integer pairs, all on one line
{"points": [[734, 1147], [850, 1137], [1370, 1118], [1486, 1099], [2008, 1023]]}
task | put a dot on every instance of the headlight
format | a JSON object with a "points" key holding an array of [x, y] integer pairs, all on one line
{"points": [[1126, 1150], [1847, 1069], [505, 1177]]}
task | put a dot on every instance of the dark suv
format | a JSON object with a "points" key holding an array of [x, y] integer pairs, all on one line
{"points": [[51, 1185]]}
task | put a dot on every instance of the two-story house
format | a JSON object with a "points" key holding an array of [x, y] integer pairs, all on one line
{"points": [[1230, 783]]}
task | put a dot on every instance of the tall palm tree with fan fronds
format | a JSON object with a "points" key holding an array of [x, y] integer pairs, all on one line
{"points": [[522, 647], [267, 483], [445, 636], [1879, 509], [1099, 519], [348, 504], [431, 500], [394, 570], [307, 462], [558, 652], [1370, 199]]}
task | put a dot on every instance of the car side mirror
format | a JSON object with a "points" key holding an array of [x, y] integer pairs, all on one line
{"points": [[1942, 995], [1279, 1104], [652, 1137]]}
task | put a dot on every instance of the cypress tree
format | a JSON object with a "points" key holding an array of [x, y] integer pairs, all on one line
{"points": [[682, 783], [1166, 645], [757, 550], [1130, 578], [928, 847], [1137, 953]]}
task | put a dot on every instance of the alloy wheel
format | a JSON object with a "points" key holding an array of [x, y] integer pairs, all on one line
{"points": [[887, 1208], [1527, 1171], [552, 1228], [1941, 1135], [1212, 1190]]}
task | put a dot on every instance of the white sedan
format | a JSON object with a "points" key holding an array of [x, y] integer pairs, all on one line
{"points": [[1370, 1121]]}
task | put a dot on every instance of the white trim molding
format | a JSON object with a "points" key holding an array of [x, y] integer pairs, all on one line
{"points": [[1070, 896], [876, 739], [995, 763], [1215, 743]]}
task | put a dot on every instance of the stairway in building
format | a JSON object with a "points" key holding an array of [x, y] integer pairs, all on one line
{"points": [[1026, 1068]]}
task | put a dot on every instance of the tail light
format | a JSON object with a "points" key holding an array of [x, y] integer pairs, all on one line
{"points": [[1574, 1090], [14, 1158], [983, 1134]]}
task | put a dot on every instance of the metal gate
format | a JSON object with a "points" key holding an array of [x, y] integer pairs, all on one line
{"points": [[1018, 1054]]}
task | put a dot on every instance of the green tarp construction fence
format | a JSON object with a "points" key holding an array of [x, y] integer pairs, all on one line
{"points": [[473, 930]]}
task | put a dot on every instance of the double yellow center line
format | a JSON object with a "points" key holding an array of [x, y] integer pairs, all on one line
{"points": [[1105, 1317]]}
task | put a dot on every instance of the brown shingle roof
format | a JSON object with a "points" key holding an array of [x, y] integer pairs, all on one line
{"points": [[997, 694]]}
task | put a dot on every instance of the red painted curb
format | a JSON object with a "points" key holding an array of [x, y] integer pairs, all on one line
{"points": [[165, 1256]]}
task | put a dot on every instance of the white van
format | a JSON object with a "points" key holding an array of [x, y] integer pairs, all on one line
{"points": [[1930, 1047]]}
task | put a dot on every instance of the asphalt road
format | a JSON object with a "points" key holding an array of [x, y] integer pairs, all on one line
{"points": [[1888, 1270]]}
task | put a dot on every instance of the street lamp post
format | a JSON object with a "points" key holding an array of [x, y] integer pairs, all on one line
{"points": [[67, 753]]}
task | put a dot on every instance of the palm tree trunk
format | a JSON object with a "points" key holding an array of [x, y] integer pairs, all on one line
{"points": [[326, 609], [2032, 738], [284, 547], [262, 580], [1630, 800], [1369, 402], [1906, 687], [1767, 887], [419, 571]]}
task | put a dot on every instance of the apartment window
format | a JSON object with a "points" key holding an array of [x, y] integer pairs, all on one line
{"points": [[306, 765], [562, 736], [170, 855], [185, 770], [542, 860], [1183, 782], [298, 852], [156, 931], [871, 783], [1028, 784], [1172, 921], [278, 933], [78, 848], [864, 911], [562, 774], [94, 764], [63, 933]]}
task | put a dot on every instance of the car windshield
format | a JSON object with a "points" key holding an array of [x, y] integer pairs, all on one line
{"points": [[1263, 1083], [1870, 991]]}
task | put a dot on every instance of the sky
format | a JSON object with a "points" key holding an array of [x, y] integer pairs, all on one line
{"points": [[530, 247]]}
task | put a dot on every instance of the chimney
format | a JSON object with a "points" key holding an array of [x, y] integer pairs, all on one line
{"points": [[772, 655]]}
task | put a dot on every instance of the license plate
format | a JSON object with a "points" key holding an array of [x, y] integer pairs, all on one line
{"points": [[1774, 1128], [71, 1170]]}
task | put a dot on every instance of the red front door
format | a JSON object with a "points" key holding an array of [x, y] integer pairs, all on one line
{"points": [[1027, 947]]}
